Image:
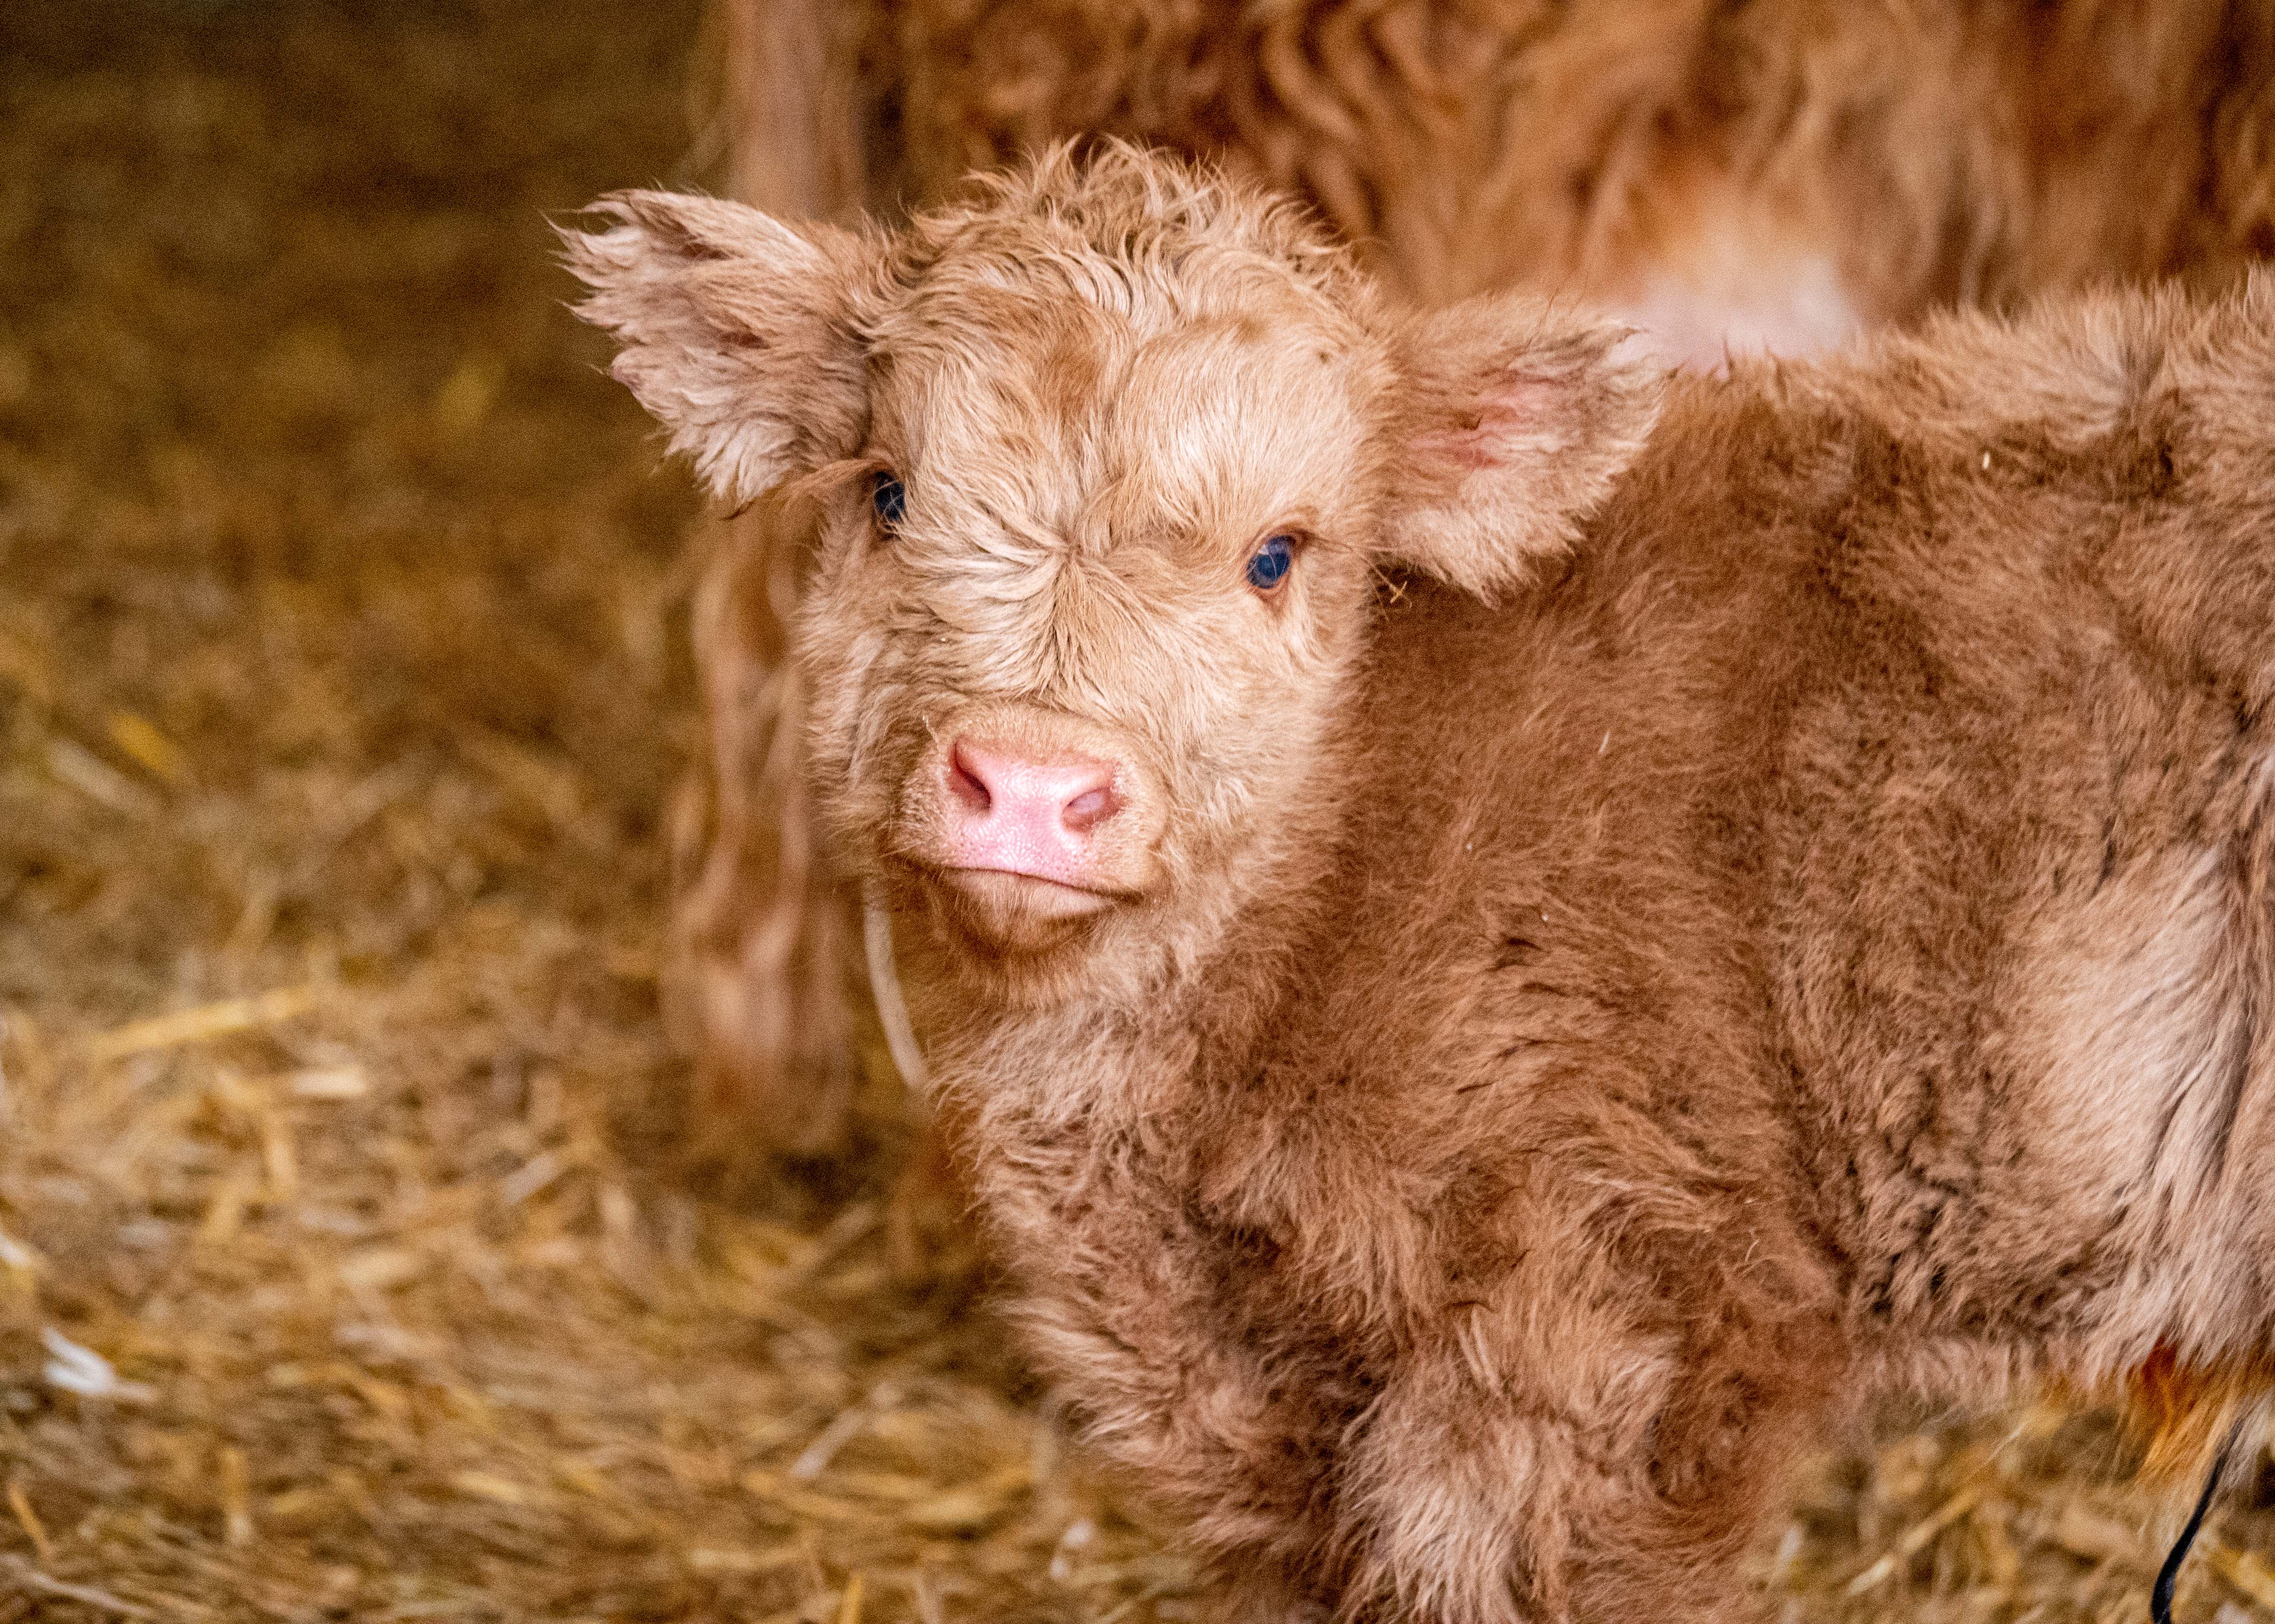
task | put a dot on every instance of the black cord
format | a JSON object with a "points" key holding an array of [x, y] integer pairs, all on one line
{"points": [[2160, 1597]]}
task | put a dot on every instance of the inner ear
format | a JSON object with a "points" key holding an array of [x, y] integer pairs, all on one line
{"points": [[1510, 423], [738, 332]]}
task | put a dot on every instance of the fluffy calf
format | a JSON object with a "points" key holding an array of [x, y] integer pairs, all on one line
{"points": [[1772, 173], [1496, 965]]}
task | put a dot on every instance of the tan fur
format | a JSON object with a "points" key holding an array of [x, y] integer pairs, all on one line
{"points": [[1771, 175], [1923, 154], [1812, 933]]}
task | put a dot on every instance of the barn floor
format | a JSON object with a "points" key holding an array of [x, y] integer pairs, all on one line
{"points": [[351, 1262]]}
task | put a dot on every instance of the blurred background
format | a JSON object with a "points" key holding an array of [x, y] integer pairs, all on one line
{"points": [[367, 1247]]}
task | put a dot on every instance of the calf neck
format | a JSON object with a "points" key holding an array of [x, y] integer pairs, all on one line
{"points": [[1503, 937]]}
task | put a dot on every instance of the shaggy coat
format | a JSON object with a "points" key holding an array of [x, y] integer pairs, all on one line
{"points": [[1760, 157], [1775, 174], [1639, 938]]}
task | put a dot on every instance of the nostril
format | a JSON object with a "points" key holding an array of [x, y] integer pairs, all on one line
{"points": [[1012, 794], [1090, 809], [966, 783]]}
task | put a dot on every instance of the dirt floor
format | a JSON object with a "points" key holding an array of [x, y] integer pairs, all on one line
{"points": [[350, 1262]]}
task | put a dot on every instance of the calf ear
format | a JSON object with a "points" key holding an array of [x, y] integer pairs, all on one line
{"points": [[1512, 420], [737, 331]]}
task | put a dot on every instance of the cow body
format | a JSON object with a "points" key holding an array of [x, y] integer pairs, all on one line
{"points": [[1687, 905], [1744, 171]]}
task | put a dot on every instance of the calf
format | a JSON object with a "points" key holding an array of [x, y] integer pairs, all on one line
{"points": [[1503, 935], [1767, 175]]}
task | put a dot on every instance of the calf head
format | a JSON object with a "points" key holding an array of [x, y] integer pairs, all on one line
{"points": [[1106, 461]]}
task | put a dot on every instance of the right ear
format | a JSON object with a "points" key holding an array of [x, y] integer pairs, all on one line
{"points": [[1512, 419], [737, 331]]}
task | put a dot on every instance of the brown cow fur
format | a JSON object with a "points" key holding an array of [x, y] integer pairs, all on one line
{"points": [[1926, 154], [1653, 937], [1775, 173]]}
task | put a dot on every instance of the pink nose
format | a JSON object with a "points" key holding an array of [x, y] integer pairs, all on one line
{"points": [[1019, 815]]}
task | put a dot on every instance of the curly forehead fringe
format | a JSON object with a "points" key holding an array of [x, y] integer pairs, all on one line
{"points": [[1114, 223]]}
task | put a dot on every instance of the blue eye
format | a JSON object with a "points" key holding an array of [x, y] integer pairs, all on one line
{"points": [[1269, 564], [890, 498]]}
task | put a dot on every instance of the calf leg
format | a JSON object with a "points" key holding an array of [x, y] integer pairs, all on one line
{"points": [[1620, 1479]]}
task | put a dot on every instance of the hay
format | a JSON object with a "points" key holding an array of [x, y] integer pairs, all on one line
{"points": [[349, 1263]]}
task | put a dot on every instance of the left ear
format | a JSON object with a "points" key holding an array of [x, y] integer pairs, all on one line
{"points": [[1510, 423], [737, 331]]}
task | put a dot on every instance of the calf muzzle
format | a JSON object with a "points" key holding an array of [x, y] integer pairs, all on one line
{"points": [[1028, 820], [1012, 811]]}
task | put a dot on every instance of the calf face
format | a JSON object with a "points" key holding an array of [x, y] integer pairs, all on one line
{"points": [[1106, 484]]}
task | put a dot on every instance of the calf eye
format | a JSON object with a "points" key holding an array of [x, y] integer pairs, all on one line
{"points": [[1269, 564], [890, 499]]}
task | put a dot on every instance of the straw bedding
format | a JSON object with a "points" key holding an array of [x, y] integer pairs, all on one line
{"points": [[352, 1262]]}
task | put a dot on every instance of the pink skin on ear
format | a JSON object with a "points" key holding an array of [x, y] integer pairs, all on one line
{"points": [[1512, 405], [1014, 814]]}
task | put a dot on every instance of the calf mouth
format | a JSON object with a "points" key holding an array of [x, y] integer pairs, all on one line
{"points": [[1045, 898], [1005, 912]]}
